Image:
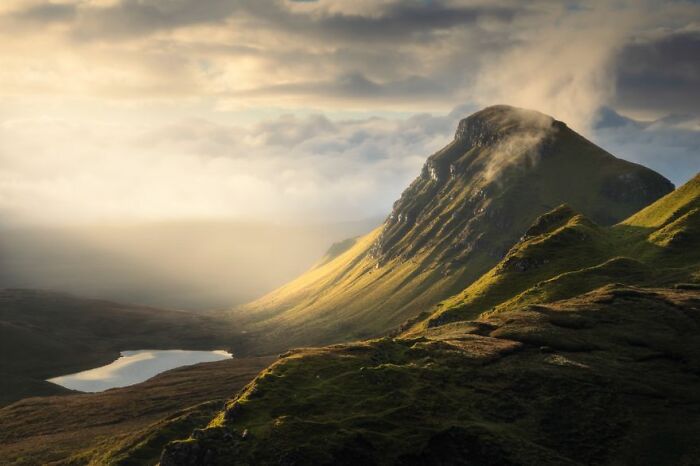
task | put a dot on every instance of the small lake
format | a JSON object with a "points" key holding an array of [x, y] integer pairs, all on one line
{"points": [[134, 367]]}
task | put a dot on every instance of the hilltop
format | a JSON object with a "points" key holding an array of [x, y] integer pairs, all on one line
{"points": [[471, 203]]}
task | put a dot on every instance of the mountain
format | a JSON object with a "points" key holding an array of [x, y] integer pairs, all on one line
{"points": [[46, 334], [472, 201], [581, 346], [578, 344]]}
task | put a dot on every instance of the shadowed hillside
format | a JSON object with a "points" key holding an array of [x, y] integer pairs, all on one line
{"points": [[45, 334], [473, 200]]}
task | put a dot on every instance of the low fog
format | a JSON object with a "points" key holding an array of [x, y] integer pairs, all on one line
{"points": [[185, 265]]}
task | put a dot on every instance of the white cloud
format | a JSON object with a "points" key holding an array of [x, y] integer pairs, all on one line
{"points": [[288, 168]]}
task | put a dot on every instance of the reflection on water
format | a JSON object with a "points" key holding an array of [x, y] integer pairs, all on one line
{"points": [[134, 367]]}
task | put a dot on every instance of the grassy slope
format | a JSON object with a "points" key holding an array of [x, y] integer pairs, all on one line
{"points": [[445, 232], [44, 334], [134, 421], [341, 298], [565, 254], [622, 362], [671, 206]]}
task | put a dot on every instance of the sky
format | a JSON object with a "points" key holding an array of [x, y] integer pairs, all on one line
{"points": [[297, 111]]}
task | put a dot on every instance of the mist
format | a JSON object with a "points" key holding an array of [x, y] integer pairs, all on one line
{"points": [[193, 265]]}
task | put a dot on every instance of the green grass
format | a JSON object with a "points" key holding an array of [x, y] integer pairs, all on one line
{"points": [[123, 426], [669, 207], [565, 254], [621, 364]]}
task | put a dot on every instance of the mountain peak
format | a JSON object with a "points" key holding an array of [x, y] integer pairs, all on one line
{"points": [[506, 166], [498, 121]]}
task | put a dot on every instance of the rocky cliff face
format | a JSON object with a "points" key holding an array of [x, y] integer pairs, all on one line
{"points": [[503, 165]]}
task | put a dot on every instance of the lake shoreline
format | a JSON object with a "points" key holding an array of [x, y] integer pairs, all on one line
{"points": [[134, 366]]}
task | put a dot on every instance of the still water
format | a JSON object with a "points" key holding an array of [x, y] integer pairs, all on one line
{"points": [[134, 367]]}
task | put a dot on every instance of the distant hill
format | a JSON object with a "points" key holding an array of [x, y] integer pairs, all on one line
{"points": [[46, 334], [581, 346], [471, 203]]}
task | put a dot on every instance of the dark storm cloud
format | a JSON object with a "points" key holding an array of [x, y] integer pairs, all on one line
{"points": [[398, 21], [48, 13], [136, 18], [661, 75]]}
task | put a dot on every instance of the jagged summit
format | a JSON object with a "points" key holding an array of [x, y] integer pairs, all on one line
{"points": [[506, 164], [495, 122]]}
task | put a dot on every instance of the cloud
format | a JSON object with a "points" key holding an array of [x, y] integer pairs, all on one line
{"points": [[147, 108], [246, 52], [136, 18], [670, 145], [566, 59], [661, 74], [286, 168], [47, 13], [561, 63]]}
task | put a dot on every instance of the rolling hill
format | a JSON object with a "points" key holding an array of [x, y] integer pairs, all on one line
{"points": [[565, 254], [471, 203]]}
